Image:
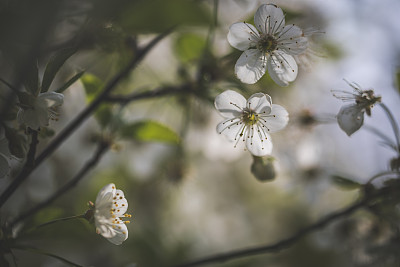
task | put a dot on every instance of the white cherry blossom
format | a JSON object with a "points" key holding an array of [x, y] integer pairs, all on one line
{"points": [[269, 45], [250, 121], [351, 116], [110, 207], [40, 110]]}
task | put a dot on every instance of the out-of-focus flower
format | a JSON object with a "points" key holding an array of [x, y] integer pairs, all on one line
{"points": [[250, 121], [110, 207], [351, 117], [40, 110], [270, 45]]}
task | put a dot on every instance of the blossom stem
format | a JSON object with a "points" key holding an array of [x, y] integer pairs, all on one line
{"points": [[61, 220], [392, 121], [66, 132]]}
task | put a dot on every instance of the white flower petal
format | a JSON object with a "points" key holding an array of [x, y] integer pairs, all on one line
{"points": [[52, 98], [250, 66], [276, 120], [350, 118], [105, 195], [259, 103], [242, 36], [230, 104], [269, 19], [29, 117], [121, 234], [257, 142], [105, 229], [291, 40], [231, 128], [282, 68]]}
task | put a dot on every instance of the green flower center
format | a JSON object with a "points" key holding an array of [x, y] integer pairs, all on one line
{"points": [[267, 43], [249, 117]]}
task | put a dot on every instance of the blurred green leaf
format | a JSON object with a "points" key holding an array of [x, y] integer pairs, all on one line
{"points": [[398, 79], [54, 65], [70, 82], [149, 131], [16, 143], [263, 168], [158, 15], [46, 132], [345, 183], [93, 87], [31, 81], [189, 47]]}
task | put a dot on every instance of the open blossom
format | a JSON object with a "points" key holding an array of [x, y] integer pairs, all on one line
{"points": [[40, 110], [110, 207], [351, 117], [250, 121], [270, 44]]}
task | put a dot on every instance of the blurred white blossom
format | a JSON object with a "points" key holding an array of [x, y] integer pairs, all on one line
{"points": [[37, 113], [250, 121], [269, 44], [110, 206], [351, 117]]}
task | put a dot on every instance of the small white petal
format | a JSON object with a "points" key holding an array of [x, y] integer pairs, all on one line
{"points": [[269, 19], [30, 118], [231, 128], [259, 103], [291, 40], [230, 104], [277, 119], [282, 68], [350, 118], [121, 234], [257, 142], [242, 36], [52, 98], [250, 66], [105, 195]]}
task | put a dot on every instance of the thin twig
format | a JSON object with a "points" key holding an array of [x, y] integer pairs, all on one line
{"points": [[67, 131], [61, 220], [393, 123], [102, 148], [162, 91], [286, 243]]}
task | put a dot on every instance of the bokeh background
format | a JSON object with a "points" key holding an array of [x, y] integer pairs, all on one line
{"points": [[198, 197]]}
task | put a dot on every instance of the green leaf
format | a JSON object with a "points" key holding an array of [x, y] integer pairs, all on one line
{"points": [[263, 168], [54, 65], [16, 143], [93, 87], [31, 81], [398, 80], [345, 183], [149, 131], [70, 82], [189, 47]]}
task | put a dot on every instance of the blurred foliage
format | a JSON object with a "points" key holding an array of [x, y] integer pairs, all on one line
{"points": [[148, 131]]}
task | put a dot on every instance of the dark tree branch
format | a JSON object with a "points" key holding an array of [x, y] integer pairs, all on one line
{"points": [[162, 91], [66, 132], [100, 151], [286, 243]]}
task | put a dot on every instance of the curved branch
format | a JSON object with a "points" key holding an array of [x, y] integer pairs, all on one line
{"points": [[66, 132], [286, 243], [102, 148]]}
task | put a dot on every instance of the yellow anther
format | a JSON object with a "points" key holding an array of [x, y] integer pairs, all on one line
{"points": [[126, 222]]}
